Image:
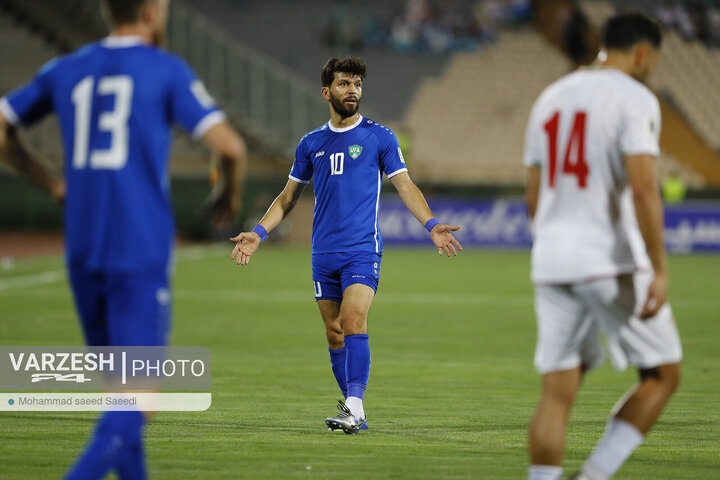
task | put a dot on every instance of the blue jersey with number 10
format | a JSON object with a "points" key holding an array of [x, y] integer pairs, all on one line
{"points": [[116, 101], [347, 164]]}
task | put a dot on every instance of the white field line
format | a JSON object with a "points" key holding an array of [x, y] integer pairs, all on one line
{"points": [[32, 280], [187, 254], [410, 298], [406, 298], [303, 296]]}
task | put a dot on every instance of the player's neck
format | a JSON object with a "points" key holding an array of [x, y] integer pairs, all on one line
{"points": [[618, 62], [337, 121], [133, 30]]}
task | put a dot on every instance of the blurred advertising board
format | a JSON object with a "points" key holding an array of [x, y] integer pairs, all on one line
{"points": [[503, 223]]}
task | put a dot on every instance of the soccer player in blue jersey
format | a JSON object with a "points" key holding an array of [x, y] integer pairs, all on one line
{"points": [[116, 101], [347, 157]]}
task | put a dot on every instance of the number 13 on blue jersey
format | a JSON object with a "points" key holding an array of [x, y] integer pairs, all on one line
{"points": [[115, 122]]}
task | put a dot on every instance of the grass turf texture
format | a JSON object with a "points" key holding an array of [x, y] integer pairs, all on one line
{"points": [[451, 390]]}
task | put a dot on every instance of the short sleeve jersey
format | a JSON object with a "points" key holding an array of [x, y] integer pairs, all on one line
{"points": [[579, 131], [116, 101], [347, 165]]}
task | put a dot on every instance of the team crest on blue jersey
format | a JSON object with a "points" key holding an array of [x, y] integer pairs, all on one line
{"points": [[355, 151]]}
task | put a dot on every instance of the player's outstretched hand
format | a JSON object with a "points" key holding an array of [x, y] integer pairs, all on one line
{"points": [[444, 240], [221, 206], [656, 296], [245, 246]]}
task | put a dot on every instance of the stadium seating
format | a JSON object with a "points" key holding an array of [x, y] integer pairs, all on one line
{"points": [[688, 74], [392, 77], [464, 114], [468, 125], [35, 52], [45, 137]]}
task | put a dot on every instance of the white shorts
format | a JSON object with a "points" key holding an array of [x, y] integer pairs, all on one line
{"points": [[569, 318]]}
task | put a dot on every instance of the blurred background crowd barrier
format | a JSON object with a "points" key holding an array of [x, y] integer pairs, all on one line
{"points": [[454, 79]]}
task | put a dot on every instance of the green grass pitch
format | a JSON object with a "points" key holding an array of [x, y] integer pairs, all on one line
{"points": [[451, 391]]}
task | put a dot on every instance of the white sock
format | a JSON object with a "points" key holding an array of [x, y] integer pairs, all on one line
{"points": [[356, 407], [619, 441], [544, 472]]}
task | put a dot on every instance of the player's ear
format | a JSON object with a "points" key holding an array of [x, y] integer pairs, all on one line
{"points": [[325, 92], [642, 51], [149, 12]]}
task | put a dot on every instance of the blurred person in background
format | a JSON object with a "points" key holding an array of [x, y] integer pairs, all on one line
{"points": [[673, 187], [598, 257], [116, 101]]}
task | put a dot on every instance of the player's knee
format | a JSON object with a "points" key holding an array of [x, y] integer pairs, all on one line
{"points": [[334, 336], [667, 375], [561, 387], [671, 376], [353, 322], [563, 396]]}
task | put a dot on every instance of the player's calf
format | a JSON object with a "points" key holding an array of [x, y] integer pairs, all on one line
{"points": [[646, 402], [627, 429], [547, 429]]}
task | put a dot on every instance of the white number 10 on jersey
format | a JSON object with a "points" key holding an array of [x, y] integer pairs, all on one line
{"points": [[337, 162]]}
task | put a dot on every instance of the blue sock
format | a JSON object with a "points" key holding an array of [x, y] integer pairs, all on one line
{"points": [[357, 366], [337, 360], [115, 434]]}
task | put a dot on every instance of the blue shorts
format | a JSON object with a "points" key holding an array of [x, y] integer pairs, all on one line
{"points": [[122, 309], [334, 272]]}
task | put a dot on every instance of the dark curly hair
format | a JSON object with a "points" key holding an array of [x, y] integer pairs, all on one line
{"points": [[351, 65], [629, 28]]}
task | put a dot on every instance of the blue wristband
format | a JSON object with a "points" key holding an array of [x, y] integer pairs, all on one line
{"points": [[260, 230], [430, 224]]}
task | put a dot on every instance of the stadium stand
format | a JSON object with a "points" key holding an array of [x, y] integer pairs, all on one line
{"points": [[463, 115], [687, 78], [392, 77], [260, 95], [35, 52], [468, 126]]}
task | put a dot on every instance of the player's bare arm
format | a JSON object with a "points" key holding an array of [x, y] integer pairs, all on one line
{"points": [[28, 163], [532, 190], [248, 242], [649, 211], [413, 199], [224, 201]]}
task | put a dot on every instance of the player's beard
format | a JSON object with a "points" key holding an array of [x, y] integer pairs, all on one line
{"points": [[340, 108]]}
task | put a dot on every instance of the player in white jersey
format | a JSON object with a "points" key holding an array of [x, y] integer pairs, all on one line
{"points": [[598, 259]]}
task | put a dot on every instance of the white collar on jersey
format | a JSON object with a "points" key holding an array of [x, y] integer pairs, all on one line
{"points": [[121, 41], [345, 129]]}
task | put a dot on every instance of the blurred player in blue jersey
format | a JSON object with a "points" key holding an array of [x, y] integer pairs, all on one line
{"points": [[116, 101], [347, 157]]}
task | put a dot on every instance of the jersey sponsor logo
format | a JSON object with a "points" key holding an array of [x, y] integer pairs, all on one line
{"points": [[320, 153], [355, 151], [402, 159]]}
